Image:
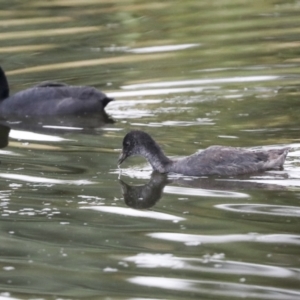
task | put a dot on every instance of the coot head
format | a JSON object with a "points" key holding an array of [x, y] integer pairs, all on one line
{"points": [[135, 143]]}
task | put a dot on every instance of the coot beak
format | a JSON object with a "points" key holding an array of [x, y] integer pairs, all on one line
{"points": [[122, 157]]}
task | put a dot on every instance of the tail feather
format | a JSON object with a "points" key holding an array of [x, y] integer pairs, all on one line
{"points": [[277, 158], [106, 100]]}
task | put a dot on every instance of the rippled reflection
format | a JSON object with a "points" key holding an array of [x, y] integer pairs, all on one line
{"points": [[31, 136], [273, 182], [47, 32], [263, 209], [211, 264], [44, 180], [198, 82], [7, 296], [36, 128], [195, 240], [146, 195], [162, 48], [216, 288], [155, 92], [134, 213], [203, 192]]}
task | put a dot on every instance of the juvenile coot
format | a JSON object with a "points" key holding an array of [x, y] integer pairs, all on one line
{"points": [[51, 98], [215, 160]]}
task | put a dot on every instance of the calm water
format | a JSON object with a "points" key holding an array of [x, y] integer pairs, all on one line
{"points": [[192, 74]]}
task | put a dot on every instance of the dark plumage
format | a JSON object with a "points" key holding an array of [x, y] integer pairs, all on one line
{"points": [[215, 160], [51, 98]]}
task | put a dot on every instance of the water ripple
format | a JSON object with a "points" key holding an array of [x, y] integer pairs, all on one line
{"points": [[163, 48], [7, 296], [199, 121], [134, 213], [203, 192], [214, 287], [155, 92], [276, 181], [264, 209], [184, 86], [199, 82], [27, 135], [210, 264], [195, 239], [44, 180], [29, 212]]}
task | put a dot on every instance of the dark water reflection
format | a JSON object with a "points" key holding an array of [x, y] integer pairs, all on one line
{"points": [[146, 195], [58, 125], [191, 73]]}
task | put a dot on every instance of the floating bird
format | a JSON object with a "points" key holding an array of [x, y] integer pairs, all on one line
{"points": [[215, 160], [51, 98]]}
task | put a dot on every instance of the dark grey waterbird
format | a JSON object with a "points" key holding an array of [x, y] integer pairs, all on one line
{"points": [[51, 98], [215, 160]]}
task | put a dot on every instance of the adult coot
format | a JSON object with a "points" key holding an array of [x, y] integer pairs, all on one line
{"points": [[215, 160], [51, 98]]}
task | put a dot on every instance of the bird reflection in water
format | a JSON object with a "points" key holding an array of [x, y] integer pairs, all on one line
{"points": [[147, 195], [58, 124]]}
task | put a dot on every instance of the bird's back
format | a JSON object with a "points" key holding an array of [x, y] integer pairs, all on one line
{"points": [[55, 99], [229, 161]]}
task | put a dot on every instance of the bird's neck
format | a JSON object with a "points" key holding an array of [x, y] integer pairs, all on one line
{"points": [[157, 159]]}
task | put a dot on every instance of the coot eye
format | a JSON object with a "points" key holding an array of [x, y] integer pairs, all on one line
{"points": [[127, 144]]}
